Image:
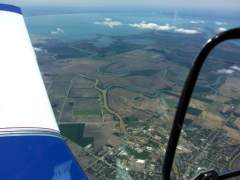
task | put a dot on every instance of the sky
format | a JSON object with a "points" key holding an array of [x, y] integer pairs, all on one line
{"points": [[207, 4]]}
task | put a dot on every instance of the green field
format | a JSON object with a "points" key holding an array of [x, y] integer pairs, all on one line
{"points": [[75, 132]]}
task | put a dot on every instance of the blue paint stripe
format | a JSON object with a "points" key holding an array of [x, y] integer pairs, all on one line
{"points": [[38, 158], [10, 8]]}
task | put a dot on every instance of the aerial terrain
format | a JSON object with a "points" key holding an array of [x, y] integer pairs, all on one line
{"points": [[114, 81]]}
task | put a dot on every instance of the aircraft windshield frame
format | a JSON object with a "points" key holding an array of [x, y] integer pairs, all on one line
{"points": [[184, 103]]}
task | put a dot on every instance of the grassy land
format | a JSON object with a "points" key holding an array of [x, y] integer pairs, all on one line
{"points": [[74, 132]]}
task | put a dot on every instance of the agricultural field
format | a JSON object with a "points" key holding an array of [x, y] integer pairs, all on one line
{"points": [[115, 104]]}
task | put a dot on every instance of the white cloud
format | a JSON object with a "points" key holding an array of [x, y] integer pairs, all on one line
{"points": [[219, 23], [166, 27], [225, 71], [197, 21], [235, 68], [57, 31], [37, 49], [230, 70], [149, 26], [187, 31], [221, 29], [40, 50], [109, 23], [152, 26]]}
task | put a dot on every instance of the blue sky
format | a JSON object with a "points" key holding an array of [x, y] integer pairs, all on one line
{"points": [[209, 4]]}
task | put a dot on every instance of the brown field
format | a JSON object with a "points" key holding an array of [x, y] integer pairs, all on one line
{"points": [[198, 104], [213, 121], [119, 101], [237, 122], [134, 60], [83, 93], [231, 88], [216, 98], [128, 103], [85, 107], [102, 133], [80, 82], [209, 120], [233, 134], [81, 156]]}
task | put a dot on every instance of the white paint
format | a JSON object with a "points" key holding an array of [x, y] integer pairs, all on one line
{"points": [[23, 98], [63, 171]]}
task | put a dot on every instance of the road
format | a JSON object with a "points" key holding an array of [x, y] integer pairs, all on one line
{"points": [[65, 100]]}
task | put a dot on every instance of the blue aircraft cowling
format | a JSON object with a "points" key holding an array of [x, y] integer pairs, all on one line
{"points": [[37, 157]]}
